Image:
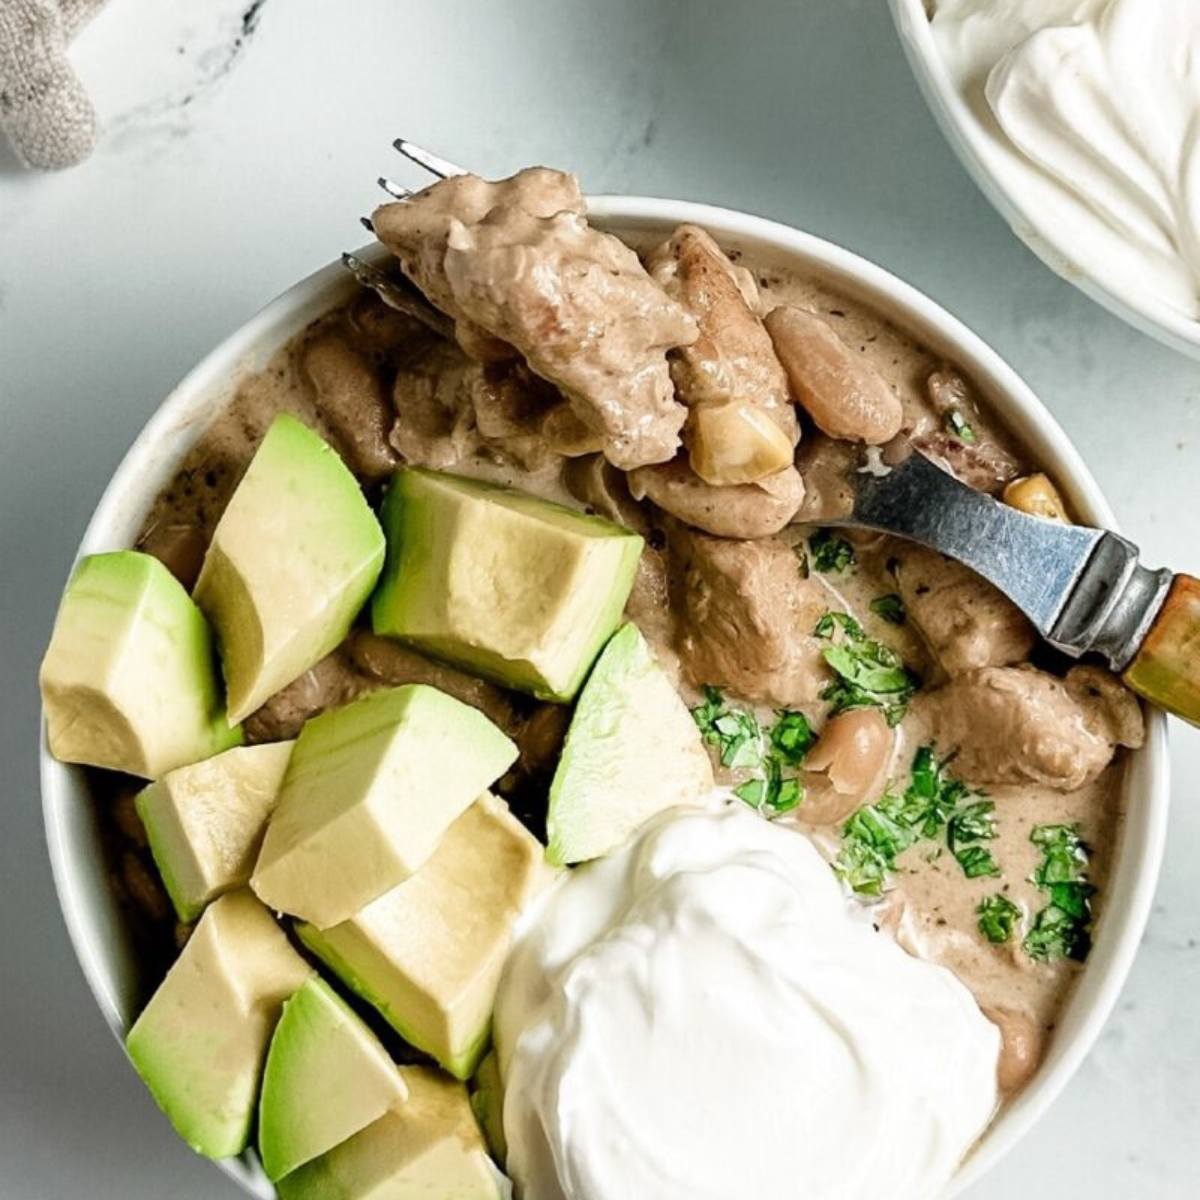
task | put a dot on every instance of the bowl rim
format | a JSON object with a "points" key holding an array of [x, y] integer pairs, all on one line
{"points": [[164, 439], [970, 142]]}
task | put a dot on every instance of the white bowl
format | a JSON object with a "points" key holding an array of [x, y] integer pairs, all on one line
{"points": [[977, 149], [102, 943]]}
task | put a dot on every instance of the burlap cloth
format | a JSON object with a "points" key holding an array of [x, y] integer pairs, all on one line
{"points": [[43, 107]]}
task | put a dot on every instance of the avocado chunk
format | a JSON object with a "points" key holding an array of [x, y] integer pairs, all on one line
{"points": [[632, 750], [199, 1044], [129, 680], [427, 1148], [369, 792], [428, 954], [205, 822], [487, 1103], [500, 582], [327, 1077], [292, 560]]}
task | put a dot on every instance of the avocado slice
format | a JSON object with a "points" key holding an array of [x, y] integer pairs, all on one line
{"points": [[205, 822], [428, 954], [500, 582], [429, 1147], [632, 749], [369, 792], [327, 1077], [129, 680], [199, 1044], [292, 560], [487, 1103]]}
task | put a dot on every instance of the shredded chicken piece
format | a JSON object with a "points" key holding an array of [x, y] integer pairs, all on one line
{"points": [[1022, 725], [435, 419], [732, 362], [966, 622], [747, 618], [576, 303], [351, 399], [747, 510]]}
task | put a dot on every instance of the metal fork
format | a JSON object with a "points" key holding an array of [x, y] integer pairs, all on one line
{"points": [[397, 295]]}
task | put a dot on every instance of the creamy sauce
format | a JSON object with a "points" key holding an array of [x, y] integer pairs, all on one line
{"points": [[938, 919]]}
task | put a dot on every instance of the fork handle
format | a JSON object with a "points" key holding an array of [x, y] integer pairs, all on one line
{"points": [[1166, 668]]}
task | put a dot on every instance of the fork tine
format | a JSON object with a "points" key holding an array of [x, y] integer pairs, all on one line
{"points": [[394, 189], [397, 297], [432, 163]]}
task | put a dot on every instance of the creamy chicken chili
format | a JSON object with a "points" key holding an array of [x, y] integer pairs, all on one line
{"points": [[889, 703]]}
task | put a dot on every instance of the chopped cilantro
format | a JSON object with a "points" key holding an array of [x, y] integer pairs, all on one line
{"points": [[1062, 928], [877, 834], [743, 745], [872, 839], [890, 608], [828, 552], [1057, 934], [1064, 855], [772, 794], [932, 795], [792, 737], [998, 917], [976, 862], [957, 424], [829, 625], [869, 674], [734, 731]]}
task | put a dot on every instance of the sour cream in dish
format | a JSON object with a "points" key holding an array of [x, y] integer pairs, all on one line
{"points": [[703, 1014], [1093, 108]]}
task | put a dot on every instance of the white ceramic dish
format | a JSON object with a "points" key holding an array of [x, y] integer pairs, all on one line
{"points": [[91, 914], [977, 149]]}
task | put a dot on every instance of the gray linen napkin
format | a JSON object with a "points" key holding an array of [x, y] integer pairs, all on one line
{"points": [[43, 107]]}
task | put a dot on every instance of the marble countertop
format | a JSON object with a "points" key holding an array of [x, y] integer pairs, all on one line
{"points": [[240, 145]]}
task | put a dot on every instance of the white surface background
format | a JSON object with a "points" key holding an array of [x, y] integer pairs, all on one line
{"points": [[234, 163]]}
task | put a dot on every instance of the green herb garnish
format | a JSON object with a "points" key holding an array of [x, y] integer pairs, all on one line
{"points": [[734, 731], [869, 674], [1057, 934], [977, 862], [828, 552], [932, 795], [1062, 928], [872, 840], [742, 744], [890, 608], [792, 737], [957, 424], [773, 793], [998, 917], [877, 834]]}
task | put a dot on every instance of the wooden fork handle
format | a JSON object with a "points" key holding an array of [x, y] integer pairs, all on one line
{"points": [[1166, 669]]}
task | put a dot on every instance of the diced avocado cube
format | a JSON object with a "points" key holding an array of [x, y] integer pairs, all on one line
{"points": [[200, 1043], [428, 954], [369, 792], [487, 1103], [327, 1078], [129, 680], [500, 582], [427, 1149], [292, 560], [205, 822], [632, 750]]}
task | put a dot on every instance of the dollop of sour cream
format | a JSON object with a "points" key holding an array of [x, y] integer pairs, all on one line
{"points": [[1095, 110], [703, 1014]]}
